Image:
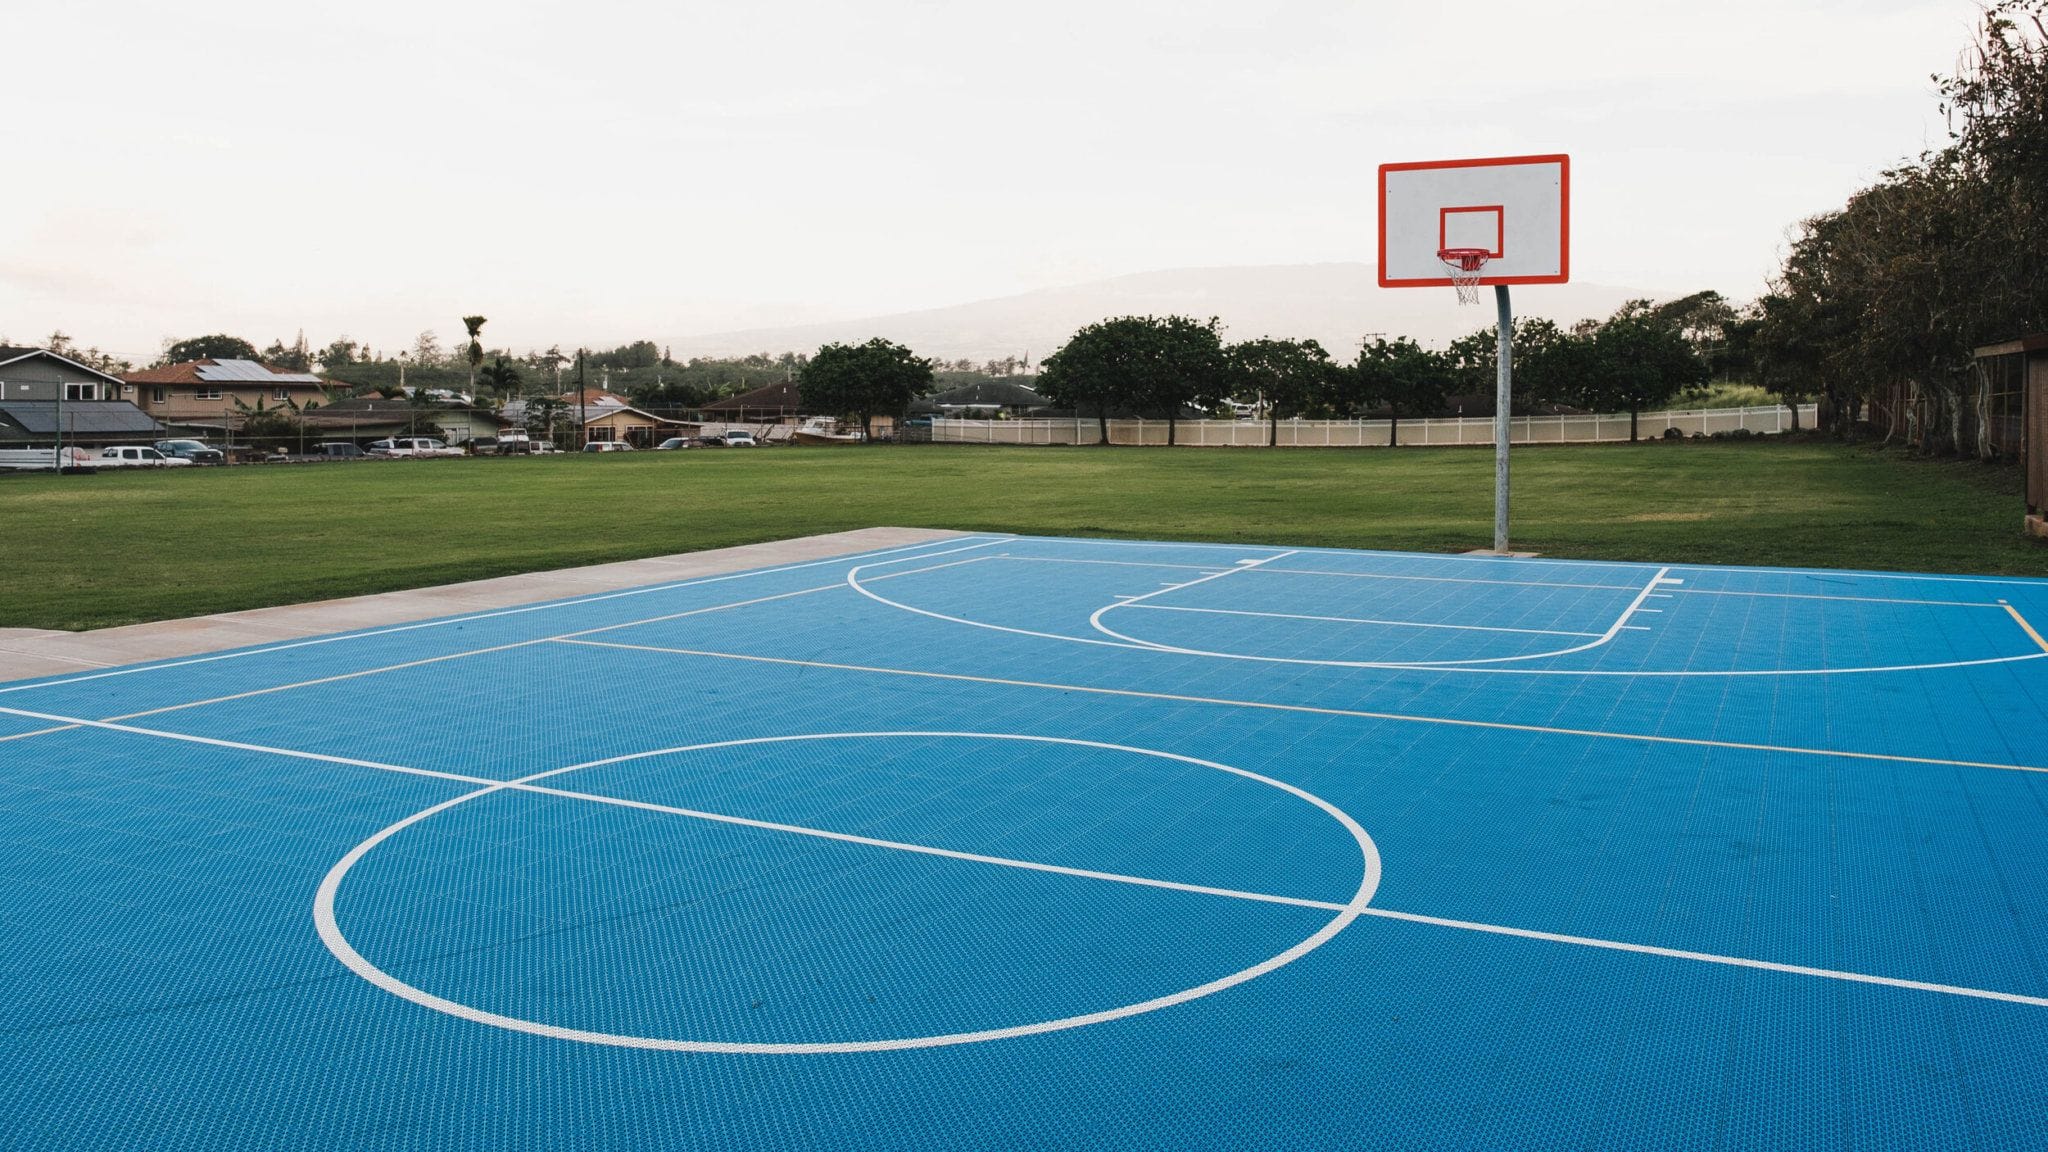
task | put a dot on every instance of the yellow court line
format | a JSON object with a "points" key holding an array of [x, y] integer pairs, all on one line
{"points": [[2024, 626], [1407, 718]]}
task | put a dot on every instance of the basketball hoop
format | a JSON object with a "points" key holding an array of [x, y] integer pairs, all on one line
{"points": [[1465, 265]]}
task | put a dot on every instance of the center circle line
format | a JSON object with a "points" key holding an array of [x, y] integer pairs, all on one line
{"points": [[331, 935]]}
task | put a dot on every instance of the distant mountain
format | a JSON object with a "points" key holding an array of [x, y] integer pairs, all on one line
{"points": [[1334, 303]]}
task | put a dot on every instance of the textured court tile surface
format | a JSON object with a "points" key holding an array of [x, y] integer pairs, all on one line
{"points": [[1020, 843]]}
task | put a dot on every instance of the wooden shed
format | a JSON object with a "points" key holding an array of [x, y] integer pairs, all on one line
{"points": [[2022, 365]]}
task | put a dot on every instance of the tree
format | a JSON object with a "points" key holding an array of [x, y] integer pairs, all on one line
{"points": [[1401, 376], [1142, 362], [1880, 302], [1289, 377], [541, 414], [1474, 361], [215, 347], [63, 345], [426, 349], [339, 354], [293, 357], [1089, 372], [863, 380], [1633, 360], [1703, 319], [502, 377], [475, 352], [277, 426]]}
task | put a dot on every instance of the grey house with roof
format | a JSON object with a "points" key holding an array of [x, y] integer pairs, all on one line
{"points": [[45, 397]]}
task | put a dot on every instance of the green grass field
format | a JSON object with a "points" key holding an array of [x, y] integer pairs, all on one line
{"points": [[93, 551]]}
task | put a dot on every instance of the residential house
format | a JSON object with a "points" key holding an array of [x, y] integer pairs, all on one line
{"points": [[361, 419], [982, 398], [606, 416], [199, 397], [620, 422], [45, 397], [768, 404]]}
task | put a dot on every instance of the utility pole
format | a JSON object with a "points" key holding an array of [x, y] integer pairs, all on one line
{"points": [[582, 429]]}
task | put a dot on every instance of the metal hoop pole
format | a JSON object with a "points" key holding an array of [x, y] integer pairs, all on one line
{"points": [[1502, 406]]}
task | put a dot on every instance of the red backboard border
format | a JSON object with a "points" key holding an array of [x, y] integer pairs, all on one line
{"points": [[1564, 264]]}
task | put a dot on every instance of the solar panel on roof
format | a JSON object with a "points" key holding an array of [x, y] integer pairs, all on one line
{"points": [[94, 417], [249, 371]]}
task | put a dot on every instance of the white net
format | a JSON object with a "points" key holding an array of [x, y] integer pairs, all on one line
{"points": [[1466, 266]]}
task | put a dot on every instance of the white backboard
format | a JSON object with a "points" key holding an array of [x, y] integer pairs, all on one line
{"points": [[1517, 208]]}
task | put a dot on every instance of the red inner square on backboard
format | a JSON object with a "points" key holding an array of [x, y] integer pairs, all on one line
{"points": [[1474, 223]]}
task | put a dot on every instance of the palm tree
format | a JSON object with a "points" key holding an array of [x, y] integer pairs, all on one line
{"points": [[503, 378], [475, 324]]}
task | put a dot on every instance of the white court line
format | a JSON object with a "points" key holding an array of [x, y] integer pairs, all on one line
{"points": [[853, 580], [1848, 599], [37, 732], [1457, 556], [326, 923], [1850, 574], [504, 647], [1451, 579], [1310, 709], [1521, 583], [1613, 630], [1710, 958], [1479, 666], [525, 784], [1818, 573], [1361, 620], [1095, 618], [1325, 572], [447, 620], [1357, 907]]}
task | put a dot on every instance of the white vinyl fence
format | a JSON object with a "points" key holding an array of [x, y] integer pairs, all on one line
{"points": [[1445, 431]]}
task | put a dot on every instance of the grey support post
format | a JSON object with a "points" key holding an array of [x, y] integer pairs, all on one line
{"points": [[1502, 406]]}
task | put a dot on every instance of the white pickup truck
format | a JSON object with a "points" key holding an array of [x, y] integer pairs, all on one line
{"points": [[137, 456], [403, 447]]}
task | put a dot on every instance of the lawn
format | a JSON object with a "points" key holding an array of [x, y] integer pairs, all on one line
{"points": [[93, 551]]}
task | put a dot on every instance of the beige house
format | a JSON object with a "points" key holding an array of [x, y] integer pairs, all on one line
{"points": [[200, 395], [619, 422]]}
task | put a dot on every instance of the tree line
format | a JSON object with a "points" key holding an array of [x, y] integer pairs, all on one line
{"points": [[1175, 367], [1880, 303]]}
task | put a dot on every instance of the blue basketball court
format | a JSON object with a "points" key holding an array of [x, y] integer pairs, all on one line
{"points": [[1003, 842]]}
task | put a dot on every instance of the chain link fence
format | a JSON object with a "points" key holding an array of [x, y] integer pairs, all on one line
{"points": [[1436, 432]]}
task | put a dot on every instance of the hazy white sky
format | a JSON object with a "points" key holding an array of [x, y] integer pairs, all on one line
{"points": [[597, 171]]}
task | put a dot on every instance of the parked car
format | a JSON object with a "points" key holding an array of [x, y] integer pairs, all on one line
{"points": [[673, 443], [137, 456], [339, 450], [197, 451], [607, 446], [542, 447], [734, 438], [510, 442], [412, 446]]}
